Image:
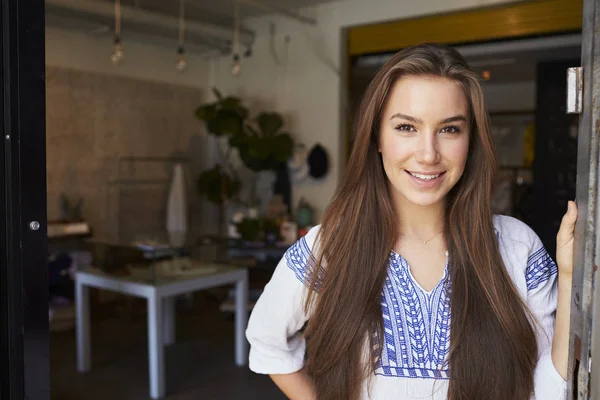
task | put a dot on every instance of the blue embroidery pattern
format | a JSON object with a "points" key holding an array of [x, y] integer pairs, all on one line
{"points": [[540, 267], [416, 325], [300, 259], [416, 334], [297, 258]]}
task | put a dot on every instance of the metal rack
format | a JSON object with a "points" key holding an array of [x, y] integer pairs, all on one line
{"points": [[126, 171]]}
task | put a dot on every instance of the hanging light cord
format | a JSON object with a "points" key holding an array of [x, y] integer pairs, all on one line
{"points": [[117, 55], [117, 20], [181, 22], [181, 63], [236, 28]]}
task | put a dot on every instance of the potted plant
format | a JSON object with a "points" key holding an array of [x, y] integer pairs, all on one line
{"points": [[222, 118], [260, 142]]}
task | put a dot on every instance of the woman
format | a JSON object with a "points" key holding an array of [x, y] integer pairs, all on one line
{"points": [[411, 288]]}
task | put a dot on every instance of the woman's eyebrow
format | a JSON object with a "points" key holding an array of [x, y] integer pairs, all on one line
{"points": [[455, 118], [407, 117]]}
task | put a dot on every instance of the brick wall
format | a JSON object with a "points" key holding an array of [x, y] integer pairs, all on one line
{"points": [[93, 120]]}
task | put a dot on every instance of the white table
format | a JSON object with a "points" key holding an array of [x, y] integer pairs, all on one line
{"points": [[161, 312]]}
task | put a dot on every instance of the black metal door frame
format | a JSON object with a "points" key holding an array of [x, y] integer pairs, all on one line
{"points": [[24, 350]]}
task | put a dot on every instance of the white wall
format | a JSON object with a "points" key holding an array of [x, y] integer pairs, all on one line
{"points": [[305, 86], [76, 50]]}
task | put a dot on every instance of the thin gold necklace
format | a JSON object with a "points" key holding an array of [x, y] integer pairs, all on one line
{"points": [[436, 235]]}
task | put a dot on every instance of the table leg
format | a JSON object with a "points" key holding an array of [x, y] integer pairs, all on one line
{"points": [[156, 359], [169, 321], [82, 301], [241, 320]]}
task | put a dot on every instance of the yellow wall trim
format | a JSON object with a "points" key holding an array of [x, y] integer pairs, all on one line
{"points": [[526, 18]]}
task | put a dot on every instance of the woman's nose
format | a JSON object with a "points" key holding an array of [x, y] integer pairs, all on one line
{"points": [[427, 151]]}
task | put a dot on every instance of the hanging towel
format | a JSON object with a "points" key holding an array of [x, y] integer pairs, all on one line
{"points": [[176, 207]]}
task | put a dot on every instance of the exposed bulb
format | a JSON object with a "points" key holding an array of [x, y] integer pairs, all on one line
{"points": [[118, 54], [181, 63], [236, 68]]}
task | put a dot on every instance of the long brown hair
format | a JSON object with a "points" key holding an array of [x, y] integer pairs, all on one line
{"points": [[493, 349]]}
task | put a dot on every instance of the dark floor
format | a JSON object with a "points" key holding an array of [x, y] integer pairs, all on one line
{"points": [[200, 365]]}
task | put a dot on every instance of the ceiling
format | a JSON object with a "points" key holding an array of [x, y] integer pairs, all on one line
{"points": [[220, 12], [521, 65], [208, 23]]}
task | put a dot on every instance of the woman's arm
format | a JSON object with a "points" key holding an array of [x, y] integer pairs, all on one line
{"points": [[551, 307], [564, 260], [296, 386], [560, 341], [277, 344]]}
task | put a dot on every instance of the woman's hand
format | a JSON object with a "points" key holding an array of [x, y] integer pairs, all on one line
{"points": [[564, 241], [564, 259]]}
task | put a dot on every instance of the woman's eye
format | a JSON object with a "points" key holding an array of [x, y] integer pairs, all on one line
{"points": [[405, 128], [451, 129]]}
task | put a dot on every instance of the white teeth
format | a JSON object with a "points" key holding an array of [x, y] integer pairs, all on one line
{"points": [[424, 177]]}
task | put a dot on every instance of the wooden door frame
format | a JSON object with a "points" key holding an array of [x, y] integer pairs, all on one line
{"points": [[503, 22]]}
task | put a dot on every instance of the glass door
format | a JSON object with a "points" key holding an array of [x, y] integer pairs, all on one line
{"points": [[24, 351]]}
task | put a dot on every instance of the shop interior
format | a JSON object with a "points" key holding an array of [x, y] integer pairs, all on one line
{"points": [[191, 142]]}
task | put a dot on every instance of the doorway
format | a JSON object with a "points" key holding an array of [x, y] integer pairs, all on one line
{"points": [[525, 89]]}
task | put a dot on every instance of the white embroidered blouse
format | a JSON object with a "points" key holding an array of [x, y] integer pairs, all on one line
{"points": [[416, 322]]}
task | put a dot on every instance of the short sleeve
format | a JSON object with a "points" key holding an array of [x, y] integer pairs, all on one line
{"points": [[542, 294], [277, 345]]}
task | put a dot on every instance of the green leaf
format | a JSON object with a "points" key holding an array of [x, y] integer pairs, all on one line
{"points": [[253, 132], [206, 112], [229, 122], [231, 103], [213, 127], [260, 151], [283, 147], [269, 123], [238, 140], [216, 185], [255, 165], [252, 163]]}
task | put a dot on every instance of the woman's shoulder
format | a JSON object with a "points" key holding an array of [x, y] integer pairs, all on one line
{"points": [[300, 256], [308, 243], [513, 232], [524, 255], [312, 236]]}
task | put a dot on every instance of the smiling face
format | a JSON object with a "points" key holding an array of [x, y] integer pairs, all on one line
{"points": [[424, 139]]}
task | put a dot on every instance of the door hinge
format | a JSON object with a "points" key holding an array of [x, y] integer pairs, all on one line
{"points": [[574, 90]]}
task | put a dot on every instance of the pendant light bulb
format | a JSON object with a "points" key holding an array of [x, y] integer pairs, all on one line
{"points": [[236, 68], [181, 63], [118, 54]]}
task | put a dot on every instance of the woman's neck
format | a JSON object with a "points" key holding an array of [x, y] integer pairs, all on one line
{"points": [[420, 222]]}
